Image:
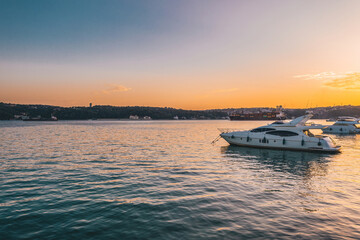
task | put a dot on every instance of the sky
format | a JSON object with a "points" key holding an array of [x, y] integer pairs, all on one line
{"points": [[200, 54]]}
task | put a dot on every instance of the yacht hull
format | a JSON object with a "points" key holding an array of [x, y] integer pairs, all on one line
{"points": [[319, 150], [281, 143]]}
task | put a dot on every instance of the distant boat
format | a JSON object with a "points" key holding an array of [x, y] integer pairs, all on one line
{"points": [[293, 135], [344, 125]]}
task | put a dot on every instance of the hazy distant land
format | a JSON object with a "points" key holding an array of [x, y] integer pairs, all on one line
{"points": [[9, 111]]}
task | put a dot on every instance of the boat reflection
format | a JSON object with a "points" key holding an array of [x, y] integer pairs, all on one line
{"points": [[305, 164]]}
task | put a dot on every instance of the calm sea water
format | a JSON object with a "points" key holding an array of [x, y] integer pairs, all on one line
{"points": [[165, 180]]}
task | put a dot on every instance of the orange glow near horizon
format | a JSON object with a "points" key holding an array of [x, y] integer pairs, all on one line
{"points": [[296, 92]]}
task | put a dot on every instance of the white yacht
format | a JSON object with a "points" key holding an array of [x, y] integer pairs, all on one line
{"points": [[293, 135], [345, 125]]}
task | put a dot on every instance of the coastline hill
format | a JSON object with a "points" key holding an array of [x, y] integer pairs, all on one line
{"points": [[10, 111]]}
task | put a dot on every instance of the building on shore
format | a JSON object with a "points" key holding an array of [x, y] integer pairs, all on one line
{"points": [[134, 117]]}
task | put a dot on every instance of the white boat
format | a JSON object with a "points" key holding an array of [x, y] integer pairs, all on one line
{"points": [[345, 125], [293, 135]]}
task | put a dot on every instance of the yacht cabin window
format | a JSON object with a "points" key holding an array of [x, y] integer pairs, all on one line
{"points": [[283, 133]]}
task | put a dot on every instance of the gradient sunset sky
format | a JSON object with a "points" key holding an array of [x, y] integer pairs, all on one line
{"points": [[199, 54]]}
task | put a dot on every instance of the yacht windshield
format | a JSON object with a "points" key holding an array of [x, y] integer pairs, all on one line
{"points": [[262, 129]]}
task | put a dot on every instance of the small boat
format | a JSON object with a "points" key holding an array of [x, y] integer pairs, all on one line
{"points": [[293, 135], [344, 125]]}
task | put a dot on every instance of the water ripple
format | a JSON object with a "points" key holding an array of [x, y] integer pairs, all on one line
{"points": [[164, 180]]}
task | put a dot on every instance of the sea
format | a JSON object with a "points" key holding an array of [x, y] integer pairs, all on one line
{"points": [[166, 180]]}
